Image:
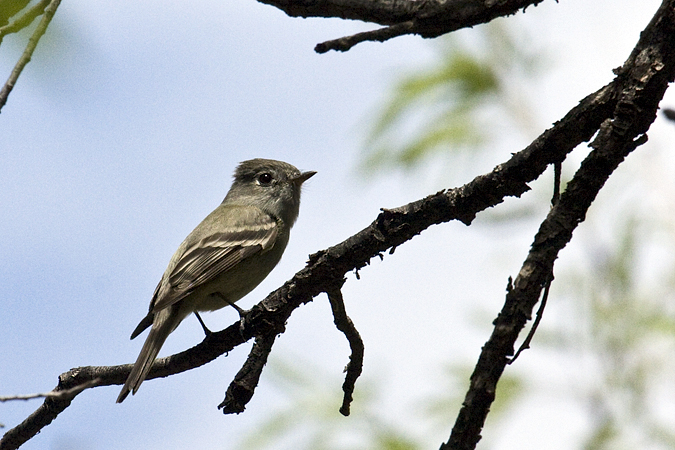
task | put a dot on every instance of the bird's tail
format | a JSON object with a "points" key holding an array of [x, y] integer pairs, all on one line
{"points": [[164, 323]]}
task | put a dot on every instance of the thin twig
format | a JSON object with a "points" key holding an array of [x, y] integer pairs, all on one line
{"points": [[28, 52], [380, 35], [355, 365], [540, 313], [55, 394], [557, 169], [669, 113]]}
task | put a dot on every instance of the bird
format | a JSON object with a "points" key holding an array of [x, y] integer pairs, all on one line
{"points": [[225, 257]]}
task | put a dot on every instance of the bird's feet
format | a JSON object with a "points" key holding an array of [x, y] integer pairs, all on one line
{"points": [[207, 332], [242, 312]]}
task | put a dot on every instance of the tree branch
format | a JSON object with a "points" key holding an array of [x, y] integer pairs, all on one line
{"points": [[243, 386], [643, 80], [428, 18], [379, 35], [355, 365], [72, 392], [48, 13]]}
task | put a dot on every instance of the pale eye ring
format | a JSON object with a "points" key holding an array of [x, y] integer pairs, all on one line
{"points": [[265, 178]]}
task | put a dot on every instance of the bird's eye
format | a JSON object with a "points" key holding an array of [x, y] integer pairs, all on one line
{"points": [[265, 178]]}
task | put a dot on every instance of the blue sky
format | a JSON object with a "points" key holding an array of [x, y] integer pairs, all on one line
{"points": [[122, 134]]}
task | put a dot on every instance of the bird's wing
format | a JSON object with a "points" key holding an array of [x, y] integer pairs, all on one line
{"points": [[213, 255]]}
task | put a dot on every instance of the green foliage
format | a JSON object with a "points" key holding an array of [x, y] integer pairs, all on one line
{"points": [[9, 8], [311, 420], [443, 406], [627, 331], [444, 108]]}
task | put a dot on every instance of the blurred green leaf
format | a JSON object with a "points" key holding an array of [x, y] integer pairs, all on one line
{"points": [[311, 419], [629, 332], [9, 8], [443, 108]]}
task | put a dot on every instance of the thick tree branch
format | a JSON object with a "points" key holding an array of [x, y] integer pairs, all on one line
{"points": [[243, 386], [384, 12], [644, 79], [428, 18], [390, 12]]}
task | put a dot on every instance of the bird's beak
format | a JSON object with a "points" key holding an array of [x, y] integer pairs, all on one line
{"points": [[304, 176]]}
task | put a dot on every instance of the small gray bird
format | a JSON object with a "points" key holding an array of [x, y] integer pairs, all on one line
{"points": [[225, 257]]}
